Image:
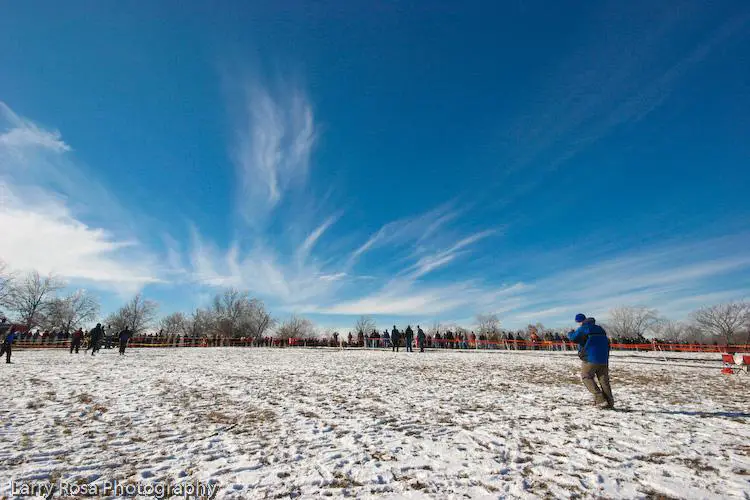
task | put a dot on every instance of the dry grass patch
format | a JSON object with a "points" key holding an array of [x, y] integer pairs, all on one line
{"points": [[85, 398], [698, 465], [34, 405]]}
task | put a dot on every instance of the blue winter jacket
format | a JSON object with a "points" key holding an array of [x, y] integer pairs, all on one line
{"points": [[10, 337], [593, 344]]}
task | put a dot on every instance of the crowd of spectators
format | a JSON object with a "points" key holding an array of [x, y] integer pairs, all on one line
{"points": [[448, 339]]}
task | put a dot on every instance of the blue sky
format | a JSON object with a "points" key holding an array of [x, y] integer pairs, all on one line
{"points": [[415, 162]]}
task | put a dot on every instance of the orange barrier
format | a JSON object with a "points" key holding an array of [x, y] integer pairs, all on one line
{"points": [[555, 345]]}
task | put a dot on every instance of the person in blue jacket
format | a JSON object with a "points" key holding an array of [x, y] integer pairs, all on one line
{"points": [[593, 349], [7, 342]]}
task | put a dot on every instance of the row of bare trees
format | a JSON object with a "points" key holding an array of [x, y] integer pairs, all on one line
{"points": [[726, 323], [232, 314], [34, 300]]}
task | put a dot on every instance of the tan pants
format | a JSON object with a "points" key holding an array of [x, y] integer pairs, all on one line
{"points": [[590, 373]]}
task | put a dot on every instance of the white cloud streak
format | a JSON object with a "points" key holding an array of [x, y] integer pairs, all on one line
{"points": [[674, 278], [23, 134], [314, 236], [427, 264], [662, 277], [41, 234], [41, 229], [273, 148]]}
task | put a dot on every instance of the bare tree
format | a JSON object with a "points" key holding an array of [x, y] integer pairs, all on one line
{"points": [[236, 315], [724, 321], [691, 332], [435, 328], [365, 324], [260, 320], [30, 297], [631, 322], [6, 286], [72, 311], [174, 324], [138, 315], [460, 332], [295, 327], [228, 308], [200, 323], [488, 324], [666, 329]]}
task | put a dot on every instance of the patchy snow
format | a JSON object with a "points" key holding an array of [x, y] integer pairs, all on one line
{"points": [[279, 422]]}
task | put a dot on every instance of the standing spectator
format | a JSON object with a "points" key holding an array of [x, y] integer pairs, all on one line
{"points": [[420, 338], [534, 338], [395, 339], [409, 333], [593, 349], [75, 342], [375, 339], [7, 343]]}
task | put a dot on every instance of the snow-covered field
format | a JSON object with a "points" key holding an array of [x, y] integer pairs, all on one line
{"points": [[278, 423]]}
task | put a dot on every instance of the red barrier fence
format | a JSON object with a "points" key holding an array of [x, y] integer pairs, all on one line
{"points": [[548, 345]]}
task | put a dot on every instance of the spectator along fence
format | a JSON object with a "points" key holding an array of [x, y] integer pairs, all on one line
{"points": [[147, 341]]}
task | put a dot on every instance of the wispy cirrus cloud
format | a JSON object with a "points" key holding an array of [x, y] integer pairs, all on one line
{"points": [[273, 140], [669, 277], [260, 268], [305, 282], [314, 236], [675, 278], [308, 269], [414, 231], [429, 263], [21, 134], [273, 146], [317, 270]]}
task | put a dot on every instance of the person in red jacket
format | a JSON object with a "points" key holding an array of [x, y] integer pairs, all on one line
{"points": [[75, 341]]}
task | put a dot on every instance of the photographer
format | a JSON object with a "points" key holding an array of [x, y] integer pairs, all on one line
{"points": [[593, 349]]}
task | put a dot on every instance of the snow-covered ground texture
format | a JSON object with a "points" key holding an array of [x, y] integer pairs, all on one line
{"points": [[275, 423]]}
